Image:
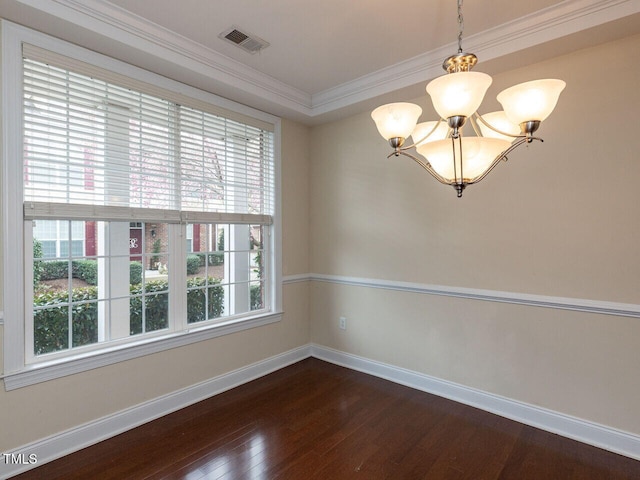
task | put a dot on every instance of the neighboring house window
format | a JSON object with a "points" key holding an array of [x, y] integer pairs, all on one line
{"points": [[189, 238], [55, 237], [146, 212]]}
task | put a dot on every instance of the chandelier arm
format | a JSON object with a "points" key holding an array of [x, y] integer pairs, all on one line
{"points": [[426, 165], [503, 156], [409, 147], [478, 117], [474, 125]]}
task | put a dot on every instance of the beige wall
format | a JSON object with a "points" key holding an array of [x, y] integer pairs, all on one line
{"points": [[295, 198], [559, 219], [31, 413], [549, 222]]}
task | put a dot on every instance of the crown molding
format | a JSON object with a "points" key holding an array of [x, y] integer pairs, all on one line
{"points": [[118, 24], [552, 23]]}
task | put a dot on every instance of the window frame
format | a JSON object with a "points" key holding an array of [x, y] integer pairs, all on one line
{"points": [[17, 372]]}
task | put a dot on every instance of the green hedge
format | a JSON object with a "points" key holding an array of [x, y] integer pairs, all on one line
{"points": [[53, 269], [256, 297], [51, 325], [193, 264], [86, 270], [37, 266], [156, 307], [215, 258], [196, 299], [135, 273]]}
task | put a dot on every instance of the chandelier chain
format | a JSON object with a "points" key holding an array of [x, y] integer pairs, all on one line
{"points": [[460, 26]]}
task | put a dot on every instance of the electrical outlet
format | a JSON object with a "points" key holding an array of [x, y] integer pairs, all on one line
{"points": [[343, 323]]}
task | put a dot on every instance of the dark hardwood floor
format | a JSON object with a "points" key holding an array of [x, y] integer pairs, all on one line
{"points": [[314, 420]]}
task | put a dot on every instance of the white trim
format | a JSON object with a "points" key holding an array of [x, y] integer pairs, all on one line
{"points": [[12, 273], [559, 20], [119, 24], [18, 34], [16, 373], [41, 372], [76, 438], [583, 431], [275, 233], [302, 277], [562, 303]]}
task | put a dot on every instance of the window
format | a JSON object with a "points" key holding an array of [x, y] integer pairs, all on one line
{"points": [[55, 236], [146, 213], [228, 281]]}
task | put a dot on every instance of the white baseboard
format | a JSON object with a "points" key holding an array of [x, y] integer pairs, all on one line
{"points": [[607, 438], [72, 440], [93, 432]]}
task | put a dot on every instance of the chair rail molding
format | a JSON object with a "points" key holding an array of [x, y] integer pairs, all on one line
{"points": [[545, 301]]}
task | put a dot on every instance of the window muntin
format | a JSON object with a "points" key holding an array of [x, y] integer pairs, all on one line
{"points": [[89, 142], [103, 296], [225, 271]]}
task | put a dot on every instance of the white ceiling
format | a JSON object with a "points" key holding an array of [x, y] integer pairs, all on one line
{"points": [[326, 58], [317, 45]]}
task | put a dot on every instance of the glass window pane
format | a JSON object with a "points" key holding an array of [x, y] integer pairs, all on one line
{"points": [[215, 300], [156, 243], [156, 311], [256, 290], [51, 328], [196, 301], [77, 248], [64, 248], [112, 297], [84, 318], [48, 248], [135, 315], [52, 277]]}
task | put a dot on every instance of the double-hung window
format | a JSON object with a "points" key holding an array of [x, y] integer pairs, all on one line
{"points": [[147, 214]]}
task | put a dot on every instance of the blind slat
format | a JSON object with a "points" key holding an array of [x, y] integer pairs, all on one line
{"points": [[107, 145], [66, 63]]}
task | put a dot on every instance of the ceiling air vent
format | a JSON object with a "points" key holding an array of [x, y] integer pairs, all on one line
{"points": [[247, 41]]}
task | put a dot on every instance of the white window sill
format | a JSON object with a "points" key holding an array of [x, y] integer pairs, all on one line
{"points": [[43, 372]]}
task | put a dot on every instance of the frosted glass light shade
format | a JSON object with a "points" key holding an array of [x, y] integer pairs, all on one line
{"points": [[478, 155], [500, 121], [423, 129], [529, 101], [458, 93], [396, 119]]}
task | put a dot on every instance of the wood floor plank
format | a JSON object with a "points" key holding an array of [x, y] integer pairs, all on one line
{"points": [[313, 420]]}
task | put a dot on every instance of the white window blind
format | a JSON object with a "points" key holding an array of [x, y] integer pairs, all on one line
{"points": [[95, 147]]}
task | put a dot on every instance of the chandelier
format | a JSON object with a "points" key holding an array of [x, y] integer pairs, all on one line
{"points": [[450, 157]]}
